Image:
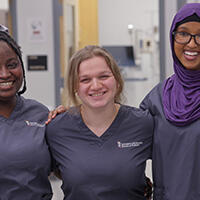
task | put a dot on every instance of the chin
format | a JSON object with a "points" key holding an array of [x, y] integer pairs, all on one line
{"points": [[189, 66], [192, 68], [97, 106]]}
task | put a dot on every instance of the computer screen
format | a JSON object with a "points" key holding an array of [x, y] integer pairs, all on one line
{"points": [[124, 55]]}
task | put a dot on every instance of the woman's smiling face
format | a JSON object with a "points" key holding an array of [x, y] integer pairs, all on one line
{"points": [[189, 54], [11, 74], [97, 86]]}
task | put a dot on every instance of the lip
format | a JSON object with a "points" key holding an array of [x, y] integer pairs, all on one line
{"points": [[6, 84], [97, 94], [190, 55]]}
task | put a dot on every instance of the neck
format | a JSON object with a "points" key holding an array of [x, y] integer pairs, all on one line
{"points": [[6, 107], [99, 120]]}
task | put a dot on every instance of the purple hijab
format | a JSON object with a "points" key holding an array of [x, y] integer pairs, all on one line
{"points": [[181, 93]]}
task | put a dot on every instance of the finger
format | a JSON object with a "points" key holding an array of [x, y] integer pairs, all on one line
{"points": [[60, 109], [54, 113], [47, 122], [51, 115]]}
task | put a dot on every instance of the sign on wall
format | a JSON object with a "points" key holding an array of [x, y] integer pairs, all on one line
{"points": [[36, 30], [37, 63]]}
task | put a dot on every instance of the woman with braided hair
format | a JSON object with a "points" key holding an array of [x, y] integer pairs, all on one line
{"points": [[25, 161]]}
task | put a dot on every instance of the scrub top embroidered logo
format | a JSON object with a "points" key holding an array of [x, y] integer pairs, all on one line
{"points": [[129, 144], [34, 124]]}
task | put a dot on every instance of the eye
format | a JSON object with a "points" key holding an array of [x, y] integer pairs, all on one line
{"points": [[104, 77], [198, 36], [182, 34], [12, 65], [84, 80]]}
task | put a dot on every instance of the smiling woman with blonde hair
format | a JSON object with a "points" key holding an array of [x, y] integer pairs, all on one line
{"points": [[101, 147], [84, 54]]}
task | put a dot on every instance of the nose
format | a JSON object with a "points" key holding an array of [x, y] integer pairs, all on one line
{"points": [[4, 72], [96, 84]]}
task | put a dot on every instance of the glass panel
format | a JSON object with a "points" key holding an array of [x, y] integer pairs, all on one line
{"points": [[70, 27]]}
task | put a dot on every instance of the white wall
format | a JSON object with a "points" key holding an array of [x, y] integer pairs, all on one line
{"points": [[114, 18], [170, 11], [4, 4], [115, 15], [40, 84]]}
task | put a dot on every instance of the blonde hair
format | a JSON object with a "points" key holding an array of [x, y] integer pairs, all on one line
{"points": [[73, 77]]}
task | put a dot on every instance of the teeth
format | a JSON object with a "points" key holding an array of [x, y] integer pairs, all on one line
{"points": [[191, 53], [6, 84], [96, 95]]}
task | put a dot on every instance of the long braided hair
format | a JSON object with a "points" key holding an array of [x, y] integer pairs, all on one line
{"points": [[5, 36]]}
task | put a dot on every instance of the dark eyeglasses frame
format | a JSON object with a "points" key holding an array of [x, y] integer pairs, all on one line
{"points": [[3, 28], [191, 36]]}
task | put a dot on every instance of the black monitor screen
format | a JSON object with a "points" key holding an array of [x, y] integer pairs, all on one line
{"points": [[124, 55]]}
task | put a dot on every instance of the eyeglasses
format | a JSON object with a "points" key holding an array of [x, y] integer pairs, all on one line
{"points": [[3, 28], [185, 38]]}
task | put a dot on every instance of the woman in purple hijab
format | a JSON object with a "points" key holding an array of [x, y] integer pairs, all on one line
{"points": [[175, 105]]}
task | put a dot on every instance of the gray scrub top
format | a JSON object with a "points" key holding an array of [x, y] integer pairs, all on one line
{"points": [[110, 167], [176, 154], [24, 156]]}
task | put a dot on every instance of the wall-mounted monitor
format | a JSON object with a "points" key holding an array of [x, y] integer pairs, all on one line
{"points": [[124, 55]]}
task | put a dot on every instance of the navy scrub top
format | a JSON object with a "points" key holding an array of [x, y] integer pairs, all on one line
{"points": [[24, 156], [110, 167], [176, 154]]}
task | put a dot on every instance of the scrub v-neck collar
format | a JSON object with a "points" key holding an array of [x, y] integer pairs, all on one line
{"points": [[15, 111], [108, 132]]}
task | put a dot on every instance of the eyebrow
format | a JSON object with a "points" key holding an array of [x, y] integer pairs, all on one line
{"points": [[185, 28], [13, 59], [104, 72]]}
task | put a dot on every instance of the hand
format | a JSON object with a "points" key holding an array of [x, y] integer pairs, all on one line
{"points": [[56, 111]]}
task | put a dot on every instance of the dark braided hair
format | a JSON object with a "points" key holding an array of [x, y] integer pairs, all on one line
{"points": [[4, 35]]}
